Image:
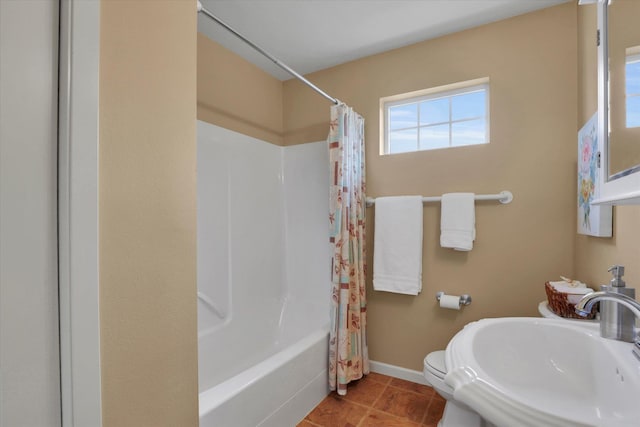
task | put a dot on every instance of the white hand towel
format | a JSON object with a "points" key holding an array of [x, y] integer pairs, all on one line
{"points": [[458, 221], [397, 249], [574, 289]]}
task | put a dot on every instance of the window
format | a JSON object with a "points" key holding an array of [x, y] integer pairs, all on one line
{"points": [[448, 116], [632, 89]]}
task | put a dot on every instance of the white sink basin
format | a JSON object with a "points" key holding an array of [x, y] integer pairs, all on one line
{"points": [[544, 372]]}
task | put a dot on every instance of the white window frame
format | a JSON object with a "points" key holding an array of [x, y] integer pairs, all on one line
{"points": [[438, 92]]}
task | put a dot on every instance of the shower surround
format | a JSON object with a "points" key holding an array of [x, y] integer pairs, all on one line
{"points": [[263, 279]]}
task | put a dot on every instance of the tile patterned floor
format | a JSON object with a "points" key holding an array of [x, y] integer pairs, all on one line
{"points": [[379, 401]]}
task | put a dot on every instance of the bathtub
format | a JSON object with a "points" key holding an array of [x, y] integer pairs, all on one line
{"points": [[278, 391], [263, 286]]}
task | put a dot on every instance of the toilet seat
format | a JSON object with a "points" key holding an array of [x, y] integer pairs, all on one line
{"points": [[435, 363], [435, 371], [456, 413]]}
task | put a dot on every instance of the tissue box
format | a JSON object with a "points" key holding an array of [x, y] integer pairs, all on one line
{"points": [[564, 304]]}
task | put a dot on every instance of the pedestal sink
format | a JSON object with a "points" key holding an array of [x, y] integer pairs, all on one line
{"points": [[544, 372]]}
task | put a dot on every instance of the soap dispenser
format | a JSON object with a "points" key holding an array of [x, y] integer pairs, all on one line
{"points": [[617, 321]]}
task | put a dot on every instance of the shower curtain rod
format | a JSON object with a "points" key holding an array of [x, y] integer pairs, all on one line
{"points": [[275, 60]]}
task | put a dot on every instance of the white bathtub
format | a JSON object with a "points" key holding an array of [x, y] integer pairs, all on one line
{"points": [[263, 279], [277, 391]]}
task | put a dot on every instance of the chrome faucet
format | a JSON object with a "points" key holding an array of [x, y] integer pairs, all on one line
{"points": [[584, 306]]}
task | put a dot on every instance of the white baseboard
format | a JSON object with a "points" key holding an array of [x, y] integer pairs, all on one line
{"points": [[397, 372]]}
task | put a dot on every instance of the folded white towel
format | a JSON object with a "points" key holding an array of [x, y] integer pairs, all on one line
{"points": [[574, 289], [397, 248], [571, 287], [458, 221]]}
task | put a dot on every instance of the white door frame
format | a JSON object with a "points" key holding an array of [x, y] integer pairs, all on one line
{"points": [[78, 137]]}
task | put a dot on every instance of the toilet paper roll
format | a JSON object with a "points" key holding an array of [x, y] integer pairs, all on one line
{"points": [[451, 302]]}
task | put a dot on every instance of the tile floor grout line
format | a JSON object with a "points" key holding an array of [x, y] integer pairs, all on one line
{"points": [[354, 402], [369, 409], [405, 389], [389, 385], [311, 422], [375, 401], [366, 414], [388, 381], [380, 396], [426, 413]]}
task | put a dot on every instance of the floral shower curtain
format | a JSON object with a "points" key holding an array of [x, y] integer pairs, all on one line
{"points": [[348, 355]]}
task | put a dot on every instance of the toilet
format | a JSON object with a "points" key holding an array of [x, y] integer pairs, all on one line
{"points": [[456, 414]]}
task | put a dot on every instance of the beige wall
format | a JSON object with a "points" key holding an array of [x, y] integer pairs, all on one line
{"points": [[236, 94], [148, 213], [595, 255], [531, 61]]}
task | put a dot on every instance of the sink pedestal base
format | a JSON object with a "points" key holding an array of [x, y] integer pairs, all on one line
{"points": [[459, 415]]}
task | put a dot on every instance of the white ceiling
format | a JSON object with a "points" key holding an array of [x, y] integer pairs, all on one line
{"points": [[310, 35]]}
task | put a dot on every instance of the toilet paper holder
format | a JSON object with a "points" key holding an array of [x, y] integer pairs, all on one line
{"points": [[464, 299]]}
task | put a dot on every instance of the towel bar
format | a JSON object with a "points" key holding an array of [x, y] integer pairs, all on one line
{"points": [[503, 197]]}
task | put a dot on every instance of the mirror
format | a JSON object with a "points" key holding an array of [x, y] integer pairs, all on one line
{"points": [[622, 35], [619, 176]]}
